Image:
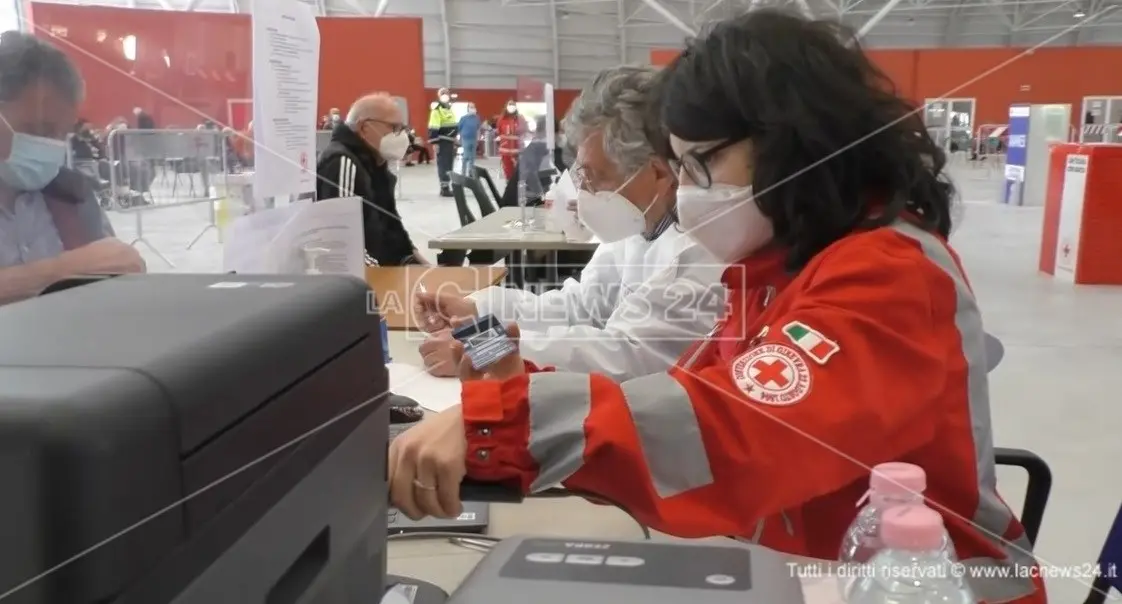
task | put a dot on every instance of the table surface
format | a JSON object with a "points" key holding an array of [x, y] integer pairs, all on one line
{"points": [[500, 231], [395, 287], [444, 564]]}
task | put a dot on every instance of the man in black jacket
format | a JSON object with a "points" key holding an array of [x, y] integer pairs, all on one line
{"points": [[356, 163]]}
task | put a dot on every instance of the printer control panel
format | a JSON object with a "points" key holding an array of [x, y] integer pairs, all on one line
{"points": [[643, 563]]}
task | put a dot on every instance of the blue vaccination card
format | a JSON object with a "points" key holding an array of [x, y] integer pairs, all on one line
{"points": [[485, 341]]}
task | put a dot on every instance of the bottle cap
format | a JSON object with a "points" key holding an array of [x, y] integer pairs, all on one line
{"points": [[898, 479], [915, 528]]}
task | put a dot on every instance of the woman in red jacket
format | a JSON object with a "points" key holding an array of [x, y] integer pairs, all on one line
{"points": [[852, 337]]}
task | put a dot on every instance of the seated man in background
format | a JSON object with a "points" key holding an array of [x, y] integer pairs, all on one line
{"points": [[51, 225], [356, 164], [648, 292]]}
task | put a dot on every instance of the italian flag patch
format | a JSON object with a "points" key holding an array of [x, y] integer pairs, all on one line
{"points": [[817, 346]]}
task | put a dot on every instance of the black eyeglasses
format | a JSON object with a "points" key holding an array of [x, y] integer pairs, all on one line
{"points": [[696, 163], [396, 128]]}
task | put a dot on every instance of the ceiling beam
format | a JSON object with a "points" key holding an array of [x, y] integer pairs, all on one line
{"points": [[444, 33], [804, 8], [621, 26], [670, 17], [876, 18], [556, 43], [357, 7]]}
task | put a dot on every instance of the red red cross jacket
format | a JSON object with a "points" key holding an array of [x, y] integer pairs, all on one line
{"points": [[874, 352]]}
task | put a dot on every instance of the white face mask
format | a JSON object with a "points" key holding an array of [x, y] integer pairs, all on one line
{"points": [[724, 220], [609, 215], [394, 146], [445, 98], [511, 108]]}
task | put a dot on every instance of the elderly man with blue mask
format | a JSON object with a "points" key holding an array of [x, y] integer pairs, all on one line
{"points": [[647, 293], [51, 225]]}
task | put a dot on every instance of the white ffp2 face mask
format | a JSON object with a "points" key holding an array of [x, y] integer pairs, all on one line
{"points": [[609, 215], [393, 146], [724, 220]]}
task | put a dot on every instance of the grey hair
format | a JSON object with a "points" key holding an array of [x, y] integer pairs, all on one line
{"points": [[26, 60], [621, 103]]}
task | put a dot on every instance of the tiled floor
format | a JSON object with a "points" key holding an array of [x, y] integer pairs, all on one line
{"points": [[1056, 392]]}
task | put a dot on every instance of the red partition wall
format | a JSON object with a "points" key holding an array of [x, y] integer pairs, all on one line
{"points": [[184, 67], [994, 77]]}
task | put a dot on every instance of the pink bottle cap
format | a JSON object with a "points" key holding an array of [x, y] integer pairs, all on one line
{"points": [[915, 528], [897, 479]]}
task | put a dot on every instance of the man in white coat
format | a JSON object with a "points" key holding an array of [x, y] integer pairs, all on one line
{"points": [[647, 293]]}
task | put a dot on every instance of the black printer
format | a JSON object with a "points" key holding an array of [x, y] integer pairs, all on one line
{"points": [[193, 439]]}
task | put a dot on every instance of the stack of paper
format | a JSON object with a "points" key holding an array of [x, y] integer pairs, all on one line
{"points": [[277, 241]]}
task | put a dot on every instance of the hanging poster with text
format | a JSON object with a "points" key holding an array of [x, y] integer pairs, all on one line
{"points": [[285, 93]]}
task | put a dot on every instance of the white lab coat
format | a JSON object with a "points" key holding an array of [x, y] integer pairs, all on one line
{"points": [[637, 307]]}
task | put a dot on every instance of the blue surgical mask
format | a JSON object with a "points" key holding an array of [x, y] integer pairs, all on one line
{"points": [[35, 161]]}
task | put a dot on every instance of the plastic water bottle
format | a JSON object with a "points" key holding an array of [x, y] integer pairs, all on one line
{"points": [[890, 485], [523, 206], [913, 567], [385, 341]]}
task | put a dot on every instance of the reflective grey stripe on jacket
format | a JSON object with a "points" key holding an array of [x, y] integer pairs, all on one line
{"points": [[992, 515], [671, 442], [660, 409]]}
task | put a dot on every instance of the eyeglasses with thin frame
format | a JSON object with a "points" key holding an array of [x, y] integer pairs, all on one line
{"points": [[696, 163], [395, 127]]}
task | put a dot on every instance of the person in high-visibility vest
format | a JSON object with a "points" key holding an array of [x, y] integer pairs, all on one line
{"points": [[509, 130], [443, 129]]}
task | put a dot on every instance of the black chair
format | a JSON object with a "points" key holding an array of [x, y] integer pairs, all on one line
{"points": [[457, 257], [481, 174], [1109, 560], [1038, 490], [466, 217], [1039, 487], [486, 206]]}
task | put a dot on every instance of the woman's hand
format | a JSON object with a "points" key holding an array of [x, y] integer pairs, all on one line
{"points": [[426, 466], [438, 311], [441, 354]]}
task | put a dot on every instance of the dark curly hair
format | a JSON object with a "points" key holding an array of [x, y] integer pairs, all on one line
{"points": [[835, 148]]}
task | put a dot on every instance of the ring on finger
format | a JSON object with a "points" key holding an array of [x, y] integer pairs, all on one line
{"points": [[424, 487]]}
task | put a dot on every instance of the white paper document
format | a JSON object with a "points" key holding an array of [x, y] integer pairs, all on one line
{"points": [[325, 237], [285, 95], [432, 393], [561, 216], [246, 240]]}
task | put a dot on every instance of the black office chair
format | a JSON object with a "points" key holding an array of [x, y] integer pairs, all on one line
{"points": [[1039, 474], [481, 174]]}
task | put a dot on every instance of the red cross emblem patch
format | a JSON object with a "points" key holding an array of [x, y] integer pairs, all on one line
{"points": [[772, 374]]}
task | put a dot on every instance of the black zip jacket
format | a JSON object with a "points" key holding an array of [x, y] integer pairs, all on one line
{"points": [[349, 168]]}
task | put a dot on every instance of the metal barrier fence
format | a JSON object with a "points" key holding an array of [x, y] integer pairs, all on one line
{"points": [[1101, 133], [149, 170]]}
